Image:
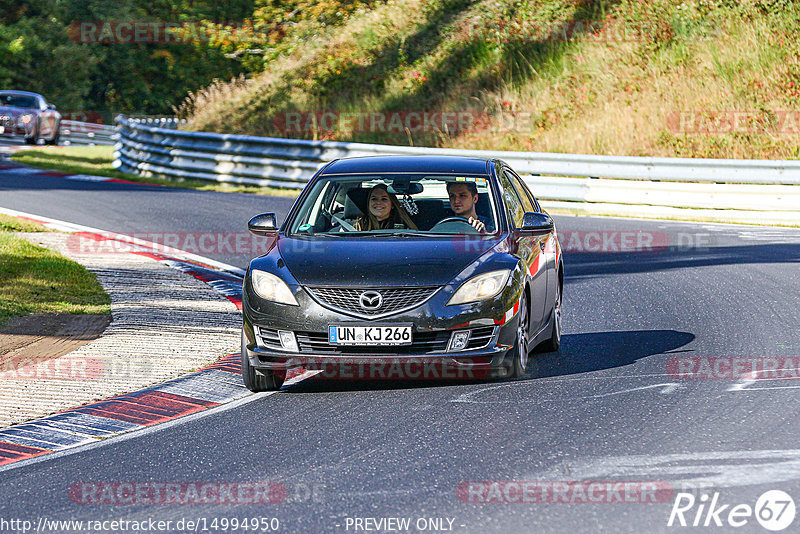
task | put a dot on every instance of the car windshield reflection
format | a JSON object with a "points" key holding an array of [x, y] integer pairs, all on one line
{"points": [[17, 101]]}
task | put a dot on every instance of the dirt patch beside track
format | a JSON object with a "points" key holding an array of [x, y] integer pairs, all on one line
{"points": [[45, 336]]}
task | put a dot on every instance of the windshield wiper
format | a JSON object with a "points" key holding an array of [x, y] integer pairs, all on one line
{"points": [[419, 234]]}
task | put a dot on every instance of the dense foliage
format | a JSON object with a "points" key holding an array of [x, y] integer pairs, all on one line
{"points": [[44, 47]]}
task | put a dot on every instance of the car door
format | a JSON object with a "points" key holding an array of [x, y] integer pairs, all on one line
{"points": [[548, 244], [529, 248]]}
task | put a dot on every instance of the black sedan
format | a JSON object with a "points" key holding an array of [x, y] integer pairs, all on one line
{"points": [[404, 267], [29, 115]]}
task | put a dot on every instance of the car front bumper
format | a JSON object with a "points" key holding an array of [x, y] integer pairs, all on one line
{"points": [[492, 325], [14, 130]]}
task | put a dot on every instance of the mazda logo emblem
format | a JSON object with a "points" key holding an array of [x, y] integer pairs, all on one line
{"points": [[371, 300]]}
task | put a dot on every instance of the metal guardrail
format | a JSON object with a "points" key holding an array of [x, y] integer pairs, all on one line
{"points": [[746, 185], [90, 133], [86, 133], [158, 121]]}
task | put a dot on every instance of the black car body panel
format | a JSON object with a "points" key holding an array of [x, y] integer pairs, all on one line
{"points": [[402, 261]]}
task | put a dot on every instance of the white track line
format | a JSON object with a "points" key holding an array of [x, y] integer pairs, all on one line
{"points": [[160, 249]]}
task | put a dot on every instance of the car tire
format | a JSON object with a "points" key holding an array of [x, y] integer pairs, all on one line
{"points": [[258, 381], [54, 141], [34, 139], [519, 354], [554, 343]]}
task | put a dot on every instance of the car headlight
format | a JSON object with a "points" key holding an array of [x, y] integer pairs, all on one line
{"points": [[481, 287], [270, 287], [24, 119]]}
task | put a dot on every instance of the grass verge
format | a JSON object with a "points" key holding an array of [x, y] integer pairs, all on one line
{"points": [[97, 161], [16, 224], [34, 279]]}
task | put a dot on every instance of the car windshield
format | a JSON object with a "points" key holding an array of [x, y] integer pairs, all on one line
{"points": [[17, 101], [396, 205]]}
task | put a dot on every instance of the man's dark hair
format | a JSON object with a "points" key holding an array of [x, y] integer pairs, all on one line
{"points": [[470, 185]]}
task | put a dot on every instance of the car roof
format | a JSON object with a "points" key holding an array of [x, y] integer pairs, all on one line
{"points": [[409, 164]]}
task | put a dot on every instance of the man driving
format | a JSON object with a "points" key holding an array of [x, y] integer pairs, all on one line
{"points": [[463, 198]]}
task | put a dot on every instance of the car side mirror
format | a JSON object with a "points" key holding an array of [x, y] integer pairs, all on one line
{"points": [[263, 224], [536, 223], [51, 106]]}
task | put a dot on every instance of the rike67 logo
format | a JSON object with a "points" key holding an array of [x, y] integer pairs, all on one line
{"points": [[774, 510]]}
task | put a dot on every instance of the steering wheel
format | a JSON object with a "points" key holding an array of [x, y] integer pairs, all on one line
{"points": [[462, 220]]}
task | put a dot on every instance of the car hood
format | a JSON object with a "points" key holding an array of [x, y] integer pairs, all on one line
{"points": [[381, 261]]}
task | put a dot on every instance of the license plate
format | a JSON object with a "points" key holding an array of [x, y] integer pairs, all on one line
{"points": [[370, 335]]}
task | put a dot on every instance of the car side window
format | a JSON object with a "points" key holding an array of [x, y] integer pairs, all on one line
{"points": [[527, 197], [513, 203], [527, 205]]}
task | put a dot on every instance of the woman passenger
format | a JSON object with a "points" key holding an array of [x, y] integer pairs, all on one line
{"points": [[384, 212]]}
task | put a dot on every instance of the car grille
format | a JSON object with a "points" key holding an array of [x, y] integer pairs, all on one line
{"points": [[422, 342], [268, 337], [349, 299], [480, 337]]}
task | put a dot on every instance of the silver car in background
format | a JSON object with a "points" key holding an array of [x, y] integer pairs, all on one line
{"points": [[29, 115]]}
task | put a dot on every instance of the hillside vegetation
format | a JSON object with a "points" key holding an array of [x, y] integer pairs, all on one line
{"points": [[86, 57], [694, 78]]}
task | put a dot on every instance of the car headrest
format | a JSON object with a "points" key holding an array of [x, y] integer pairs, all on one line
{"points": [[483, 207], [355, 203]]}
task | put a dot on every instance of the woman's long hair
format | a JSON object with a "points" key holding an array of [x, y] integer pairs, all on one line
{"points": [[397, 215]]}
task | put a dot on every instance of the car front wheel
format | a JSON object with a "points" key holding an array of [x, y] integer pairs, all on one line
{"points": [[256, 381], [519, 358], [56, 138]]}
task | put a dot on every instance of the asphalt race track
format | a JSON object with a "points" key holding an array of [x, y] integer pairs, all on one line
{"points": [[152, 211], [641, 299]]}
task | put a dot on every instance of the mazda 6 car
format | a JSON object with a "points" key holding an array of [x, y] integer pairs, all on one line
{"points": [[467, 274], [30, 116]]}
